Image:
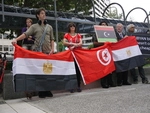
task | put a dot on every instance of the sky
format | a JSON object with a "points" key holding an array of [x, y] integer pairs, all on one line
{"points": [[137, 14]]}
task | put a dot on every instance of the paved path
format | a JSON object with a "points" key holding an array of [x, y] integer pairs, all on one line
{"points": [[124, 99]]}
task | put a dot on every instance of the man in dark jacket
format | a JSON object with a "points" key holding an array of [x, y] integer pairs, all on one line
{"points": [[122, 77], [130, 31]]}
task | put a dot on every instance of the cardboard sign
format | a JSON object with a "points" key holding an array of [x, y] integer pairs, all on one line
{"points": [[105, 33]]}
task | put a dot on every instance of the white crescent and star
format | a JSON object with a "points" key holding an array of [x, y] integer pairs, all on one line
{"points": [[106, 34], [104, 56]]}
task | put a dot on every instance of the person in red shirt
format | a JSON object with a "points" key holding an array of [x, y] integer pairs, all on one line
{"points": [[73, 40]]}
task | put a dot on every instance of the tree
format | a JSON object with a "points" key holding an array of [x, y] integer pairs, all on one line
{"points": [[73, 6], [62, 5], [114, 14]]}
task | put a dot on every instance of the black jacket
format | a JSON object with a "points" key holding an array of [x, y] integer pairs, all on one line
{"points": [[118, 36]]}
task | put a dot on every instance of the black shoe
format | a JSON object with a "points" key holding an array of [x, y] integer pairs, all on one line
{"points": [[126, 83], [48, 94], [106, 86], [135, 82], [29, 95], [145, 82], [112, 85], [119, 84], [41, 94], [79, 89], [71, 90]]}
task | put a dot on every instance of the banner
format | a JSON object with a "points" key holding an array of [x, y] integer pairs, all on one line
{"points": [[143, 42]]}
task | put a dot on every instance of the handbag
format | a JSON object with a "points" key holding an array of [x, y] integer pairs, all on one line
{"points": [[39, 48]]}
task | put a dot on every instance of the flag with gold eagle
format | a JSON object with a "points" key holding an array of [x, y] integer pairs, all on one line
{"points": [[35, 71], [127, 54]]}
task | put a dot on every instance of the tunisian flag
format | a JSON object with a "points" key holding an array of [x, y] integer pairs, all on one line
{"points": [[35, 71], [95, 63], [127, 54]]}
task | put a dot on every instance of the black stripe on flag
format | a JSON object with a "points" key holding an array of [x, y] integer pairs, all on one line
{"points": [[24, 82], [127, 64], [106, 34]]}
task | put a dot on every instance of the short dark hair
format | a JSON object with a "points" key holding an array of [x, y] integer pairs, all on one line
{"points": [[70, 25], [38, 11], [103, 22]]}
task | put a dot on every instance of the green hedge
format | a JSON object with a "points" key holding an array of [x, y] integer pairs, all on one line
{"points": [[9, 65]]}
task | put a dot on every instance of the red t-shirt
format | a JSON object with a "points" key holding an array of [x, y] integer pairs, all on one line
{"points": [[73, 39]]}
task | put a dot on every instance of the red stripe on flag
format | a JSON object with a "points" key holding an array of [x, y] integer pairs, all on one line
{"points": [[104, 28], [125, 42], [23, 53]]}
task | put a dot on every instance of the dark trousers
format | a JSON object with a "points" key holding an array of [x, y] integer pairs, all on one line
{"points": [[107, 80], [78, 74], [44, 93], [122, 77], [27, 46], [141, 72]]}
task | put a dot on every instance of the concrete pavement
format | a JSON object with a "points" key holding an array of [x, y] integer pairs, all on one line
{"points": [[124, 99]]}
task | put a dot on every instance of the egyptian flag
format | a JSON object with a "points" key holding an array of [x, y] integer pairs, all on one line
{"points": [[105, 33], [127, 54], [94, 63], [35, 71]]}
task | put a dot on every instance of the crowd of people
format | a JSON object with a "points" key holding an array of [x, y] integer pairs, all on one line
{"points": [[39, 37]]}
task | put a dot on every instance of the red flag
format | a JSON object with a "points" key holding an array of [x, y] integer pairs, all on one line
{"points": [[95, 63], [127, 54], [35, 71]]}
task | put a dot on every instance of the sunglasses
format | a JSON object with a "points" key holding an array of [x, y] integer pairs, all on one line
{"points": [[72, 26]]}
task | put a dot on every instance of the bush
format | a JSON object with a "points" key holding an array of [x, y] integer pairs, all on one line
{"points": [[91, 46], [61, 46], [9, 65]]}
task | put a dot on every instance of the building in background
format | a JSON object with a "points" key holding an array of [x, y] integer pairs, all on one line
{"points": [[100, 5], [5, 44], [86, 40]]}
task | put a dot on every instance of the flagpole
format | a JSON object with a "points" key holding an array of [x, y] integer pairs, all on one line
{"points": [[3, 18], [56, 24]]}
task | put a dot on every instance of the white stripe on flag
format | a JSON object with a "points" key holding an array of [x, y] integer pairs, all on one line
{"points": [[125, 53], [35, 66]]}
